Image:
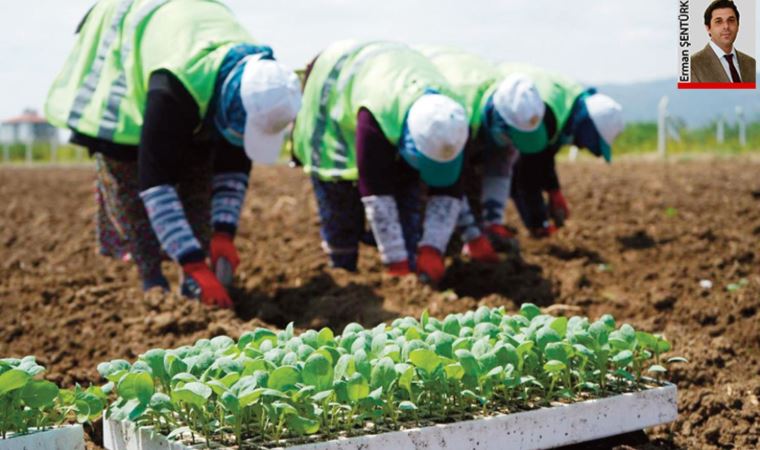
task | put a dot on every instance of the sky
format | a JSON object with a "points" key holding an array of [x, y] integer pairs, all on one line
{"points": [[595, 41]]}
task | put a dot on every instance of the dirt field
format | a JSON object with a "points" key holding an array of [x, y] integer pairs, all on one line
{"points": [[641, 237]]}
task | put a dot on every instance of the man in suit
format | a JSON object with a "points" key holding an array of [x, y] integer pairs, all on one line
{"points": [[719, 61]]}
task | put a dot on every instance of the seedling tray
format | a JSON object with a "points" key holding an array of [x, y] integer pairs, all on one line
{"points": [[64, 438], [537, 429]]}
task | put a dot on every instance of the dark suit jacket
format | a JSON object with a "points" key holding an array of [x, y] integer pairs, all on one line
{"points": [[706, 67]]}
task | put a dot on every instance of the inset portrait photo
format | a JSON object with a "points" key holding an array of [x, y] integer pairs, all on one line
{"points": [[720, 43]]}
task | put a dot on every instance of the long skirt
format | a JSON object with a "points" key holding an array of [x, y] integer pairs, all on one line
{"points": [[123, 229]]}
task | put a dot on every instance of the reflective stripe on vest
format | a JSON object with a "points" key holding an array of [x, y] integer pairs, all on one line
{"points": [[86, 92], [340, 158], [118, 90], [320, 125], [385, 78]]}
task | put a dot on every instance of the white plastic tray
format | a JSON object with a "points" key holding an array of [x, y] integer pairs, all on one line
{"points": [[64, 438], [538, 429]]}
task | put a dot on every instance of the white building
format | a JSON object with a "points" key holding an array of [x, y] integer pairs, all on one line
{"points": [[27, 127]]}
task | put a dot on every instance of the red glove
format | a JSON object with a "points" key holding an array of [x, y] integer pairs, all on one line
{"points": [[430, 266], [480, 249], [502, 239], [498, 230], [398, 269], [222, 247], [558, 207], [543, 232], [211, 291]]}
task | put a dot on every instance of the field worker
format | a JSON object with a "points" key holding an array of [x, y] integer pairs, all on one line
{"points": [[574, 116], [166, 96], [377, 118], [497, 105]]}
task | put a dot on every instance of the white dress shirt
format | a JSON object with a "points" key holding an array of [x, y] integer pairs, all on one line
{"points": [[724, 62]]}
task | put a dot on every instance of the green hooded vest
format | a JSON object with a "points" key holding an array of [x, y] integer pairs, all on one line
{"points": [[559, 93], [102, 90], [385, 78], [472, 77]]}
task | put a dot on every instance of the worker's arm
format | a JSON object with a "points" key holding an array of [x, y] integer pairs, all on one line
{"points": [[165, 150], [376, 160], [441, 214], [229, 185]]}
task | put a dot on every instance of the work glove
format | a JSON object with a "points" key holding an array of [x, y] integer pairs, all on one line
{"points": [[398, 269], [558, 209], [480, 249], [430, 265], [224, 257], [543, 232], [200, 282], [502, 239]]}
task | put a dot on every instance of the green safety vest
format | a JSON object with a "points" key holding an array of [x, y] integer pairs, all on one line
{"points": [[472, 77], [559, 93], [385, 78], [102, 90]]}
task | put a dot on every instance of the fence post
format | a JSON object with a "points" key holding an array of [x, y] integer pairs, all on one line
{"points": [[6, 151], [53, 150], [742, 126], [29, 145], [662, 132], [720, 133]]}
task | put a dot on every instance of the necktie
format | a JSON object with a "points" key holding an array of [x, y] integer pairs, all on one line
{"points": [[734, 74]]}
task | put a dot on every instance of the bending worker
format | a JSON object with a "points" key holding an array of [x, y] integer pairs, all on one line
{"points": [[498, 107], [377, 118], [574, 116], [166, 95]]}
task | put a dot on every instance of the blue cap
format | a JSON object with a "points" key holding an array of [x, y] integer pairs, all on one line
{"points": [[433, 173], [606, 150], [502, 134], [439, 174], [433, 138], [586, 135], [530, 141]]}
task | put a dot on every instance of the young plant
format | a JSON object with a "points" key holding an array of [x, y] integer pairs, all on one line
{"points": [[28, 403], [272, 387]]}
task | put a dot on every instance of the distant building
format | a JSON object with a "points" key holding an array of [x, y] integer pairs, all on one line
{"points": [[29, 126]]}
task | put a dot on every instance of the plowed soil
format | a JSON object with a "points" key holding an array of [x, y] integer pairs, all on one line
{"points": [[641, 238]]}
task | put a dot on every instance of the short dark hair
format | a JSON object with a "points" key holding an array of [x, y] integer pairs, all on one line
{"points": [[720, 4]]}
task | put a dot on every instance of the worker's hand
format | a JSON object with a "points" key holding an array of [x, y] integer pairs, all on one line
{"points": [[222, 247], [480, 249], [430, 265], [543, 232], [200, 282], [558, 209], [502, 239], [224, 257], [398, 269]]}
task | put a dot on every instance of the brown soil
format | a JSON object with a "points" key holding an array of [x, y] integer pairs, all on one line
{"points": [[641, 237]]}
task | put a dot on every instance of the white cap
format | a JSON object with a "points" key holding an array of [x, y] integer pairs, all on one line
{"points": [[607, 115], [271, 97], [438, 126], [518, 102]]}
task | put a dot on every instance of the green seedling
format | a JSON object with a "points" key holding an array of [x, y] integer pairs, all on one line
{"points": [[269, 387], [30, 403], [738, 285]]}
